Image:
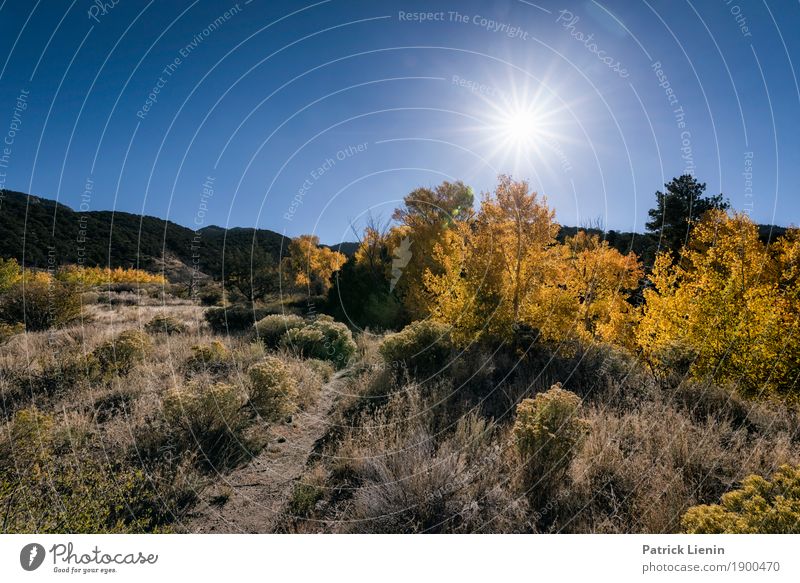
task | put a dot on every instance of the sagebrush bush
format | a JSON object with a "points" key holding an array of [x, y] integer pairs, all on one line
{"points": [[547, 433], [211, 296], [273, 392], [43, 490], [309, 376], [214, 358], [64, 374], [165, 325], [208, 418], [307, 493], [232, 319], [308, 341], [40, 302], [120, 354], [322, 368], [8, 331], [323, 339], [272, 328], [760, 506], [423, 347]]}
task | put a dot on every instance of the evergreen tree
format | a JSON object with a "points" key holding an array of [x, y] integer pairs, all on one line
{"points": [[678, 209]]}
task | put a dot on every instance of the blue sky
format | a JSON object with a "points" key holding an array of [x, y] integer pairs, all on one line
{"points": [[308, 116]]}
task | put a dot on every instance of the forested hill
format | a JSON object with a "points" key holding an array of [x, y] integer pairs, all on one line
{"points": [[122, 239], [128, 240]]}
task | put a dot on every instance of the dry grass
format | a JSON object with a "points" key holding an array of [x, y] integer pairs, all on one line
{"points": [[426, 458], [119, 421], [401, 455]]}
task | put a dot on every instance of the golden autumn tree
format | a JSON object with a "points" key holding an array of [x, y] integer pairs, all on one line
{"points": [[503, 272], [729, 309], [451, 292], [497, 266], [424, 220], [10, 273], [310, 266], [599, 280]]}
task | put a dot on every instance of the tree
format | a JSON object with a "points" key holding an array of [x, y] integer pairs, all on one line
{"points": [[677, 209], [362, 291], [599, 280], [728, 310], [311, 266], [496, 268], [424, 221], [10, 273], [503, 274], [444, 204]]}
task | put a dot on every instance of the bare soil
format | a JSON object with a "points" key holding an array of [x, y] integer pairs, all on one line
{"points": [[258, 493]]}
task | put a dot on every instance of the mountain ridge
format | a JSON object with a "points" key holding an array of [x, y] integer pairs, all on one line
{"points": [[31, 232]]}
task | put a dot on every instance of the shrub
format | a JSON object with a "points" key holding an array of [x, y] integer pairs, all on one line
{"points": [[10, 273], [165, 325], [211, 297], [273, 391], [63, 374], [8, 331], [271, 329], [40, 303], [309, 376], [547, 433], [308, 341], [208, 417], [322, 339], [759, 507], [43, 491], [118, 401], [304, 498], [234, 318], [422, 347], [323, 369], [214, 358], [121, 353], [93, 276]]}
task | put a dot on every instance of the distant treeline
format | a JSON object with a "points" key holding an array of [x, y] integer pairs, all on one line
{"points": [[39, 232]]}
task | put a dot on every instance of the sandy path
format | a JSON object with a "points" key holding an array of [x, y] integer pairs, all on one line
{"points": [[261, 489]]}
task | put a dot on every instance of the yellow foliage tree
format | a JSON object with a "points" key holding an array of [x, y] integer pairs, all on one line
{"points": [[10, 273], [93, 276], [503, 272], [498, 269], [729, 310], [426, 219], [310, 266], [598, 280]]}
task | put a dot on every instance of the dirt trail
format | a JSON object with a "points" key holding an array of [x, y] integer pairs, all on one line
{"points": [[261, 489]]}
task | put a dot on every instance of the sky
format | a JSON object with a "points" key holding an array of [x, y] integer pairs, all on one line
{"points": [[308, 117]]}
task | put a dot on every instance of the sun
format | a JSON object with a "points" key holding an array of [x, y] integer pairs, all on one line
{"points": [[518, 132], [520, 127]]}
